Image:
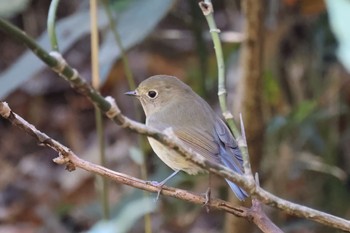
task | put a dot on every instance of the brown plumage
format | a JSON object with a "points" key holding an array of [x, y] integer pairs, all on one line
{"points": [[170, 103]]}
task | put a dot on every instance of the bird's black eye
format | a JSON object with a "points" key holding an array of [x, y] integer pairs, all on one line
{"points": [[152, 94]]}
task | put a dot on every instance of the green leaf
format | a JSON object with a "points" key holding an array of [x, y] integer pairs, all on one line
{"points": [[13, 7], [69, 30], [339, 19], [126, 218], [134, 24], [303, 110], [137, 155]]}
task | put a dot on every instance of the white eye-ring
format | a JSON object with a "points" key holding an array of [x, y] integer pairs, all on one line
{"points": [[152, 94]]}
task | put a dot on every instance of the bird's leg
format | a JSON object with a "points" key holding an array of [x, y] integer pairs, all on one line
{"points": [[160, 184], [207, 199], [208, 194]]}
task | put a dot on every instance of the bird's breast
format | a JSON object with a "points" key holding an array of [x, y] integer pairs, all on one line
{"points": [[173, 159]]}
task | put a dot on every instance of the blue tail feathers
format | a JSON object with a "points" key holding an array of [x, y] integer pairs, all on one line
{"points": [[240, 193]]}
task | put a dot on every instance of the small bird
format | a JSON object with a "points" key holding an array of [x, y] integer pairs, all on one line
{"points": [[170, 103]]}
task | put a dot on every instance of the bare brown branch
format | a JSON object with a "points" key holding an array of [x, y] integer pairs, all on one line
{"points": [[72, 161]]}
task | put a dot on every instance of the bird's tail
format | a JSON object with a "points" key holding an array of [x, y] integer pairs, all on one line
{"points": [[240, 193]]}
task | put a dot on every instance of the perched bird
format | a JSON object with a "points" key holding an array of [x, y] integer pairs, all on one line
{"points": [[170, 103]]}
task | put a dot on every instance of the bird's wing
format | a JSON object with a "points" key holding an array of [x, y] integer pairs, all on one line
{"points": [[200, 141], [220, 148], [230, 154]]}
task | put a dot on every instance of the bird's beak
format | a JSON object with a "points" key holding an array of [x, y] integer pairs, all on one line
{"points": [[131, 93]]}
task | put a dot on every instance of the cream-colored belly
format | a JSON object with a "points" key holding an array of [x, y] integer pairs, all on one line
{"points": [[172, 158]]}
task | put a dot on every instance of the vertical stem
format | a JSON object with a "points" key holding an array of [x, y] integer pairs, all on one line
{"points": [[104, 181], [132, 86], [51, 24], [117, 38], [98, 115], [231, 224], [94, 45], [208, 11]]}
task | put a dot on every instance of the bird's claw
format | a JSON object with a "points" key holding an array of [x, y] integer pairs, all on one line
{"points": [[155, 183], [207, 195], [160, 187]]}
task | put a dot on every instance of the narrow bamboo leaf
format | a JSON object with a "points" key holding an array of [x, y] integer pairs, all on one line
{"points": [[135, 22], [339, 18]]}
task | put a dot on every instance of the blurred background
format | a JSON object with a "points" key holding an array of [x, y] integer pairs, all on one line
{"points": [[305, 99]]}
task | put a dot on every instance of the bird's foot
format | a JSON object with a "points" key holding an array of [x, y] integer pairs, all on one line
{"points": [[159, 185], [207, 195]]}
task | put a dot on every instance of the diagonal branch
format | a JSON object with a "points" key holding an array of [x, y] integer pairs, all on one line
{"points": [[67, 157], [72, 161]]}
